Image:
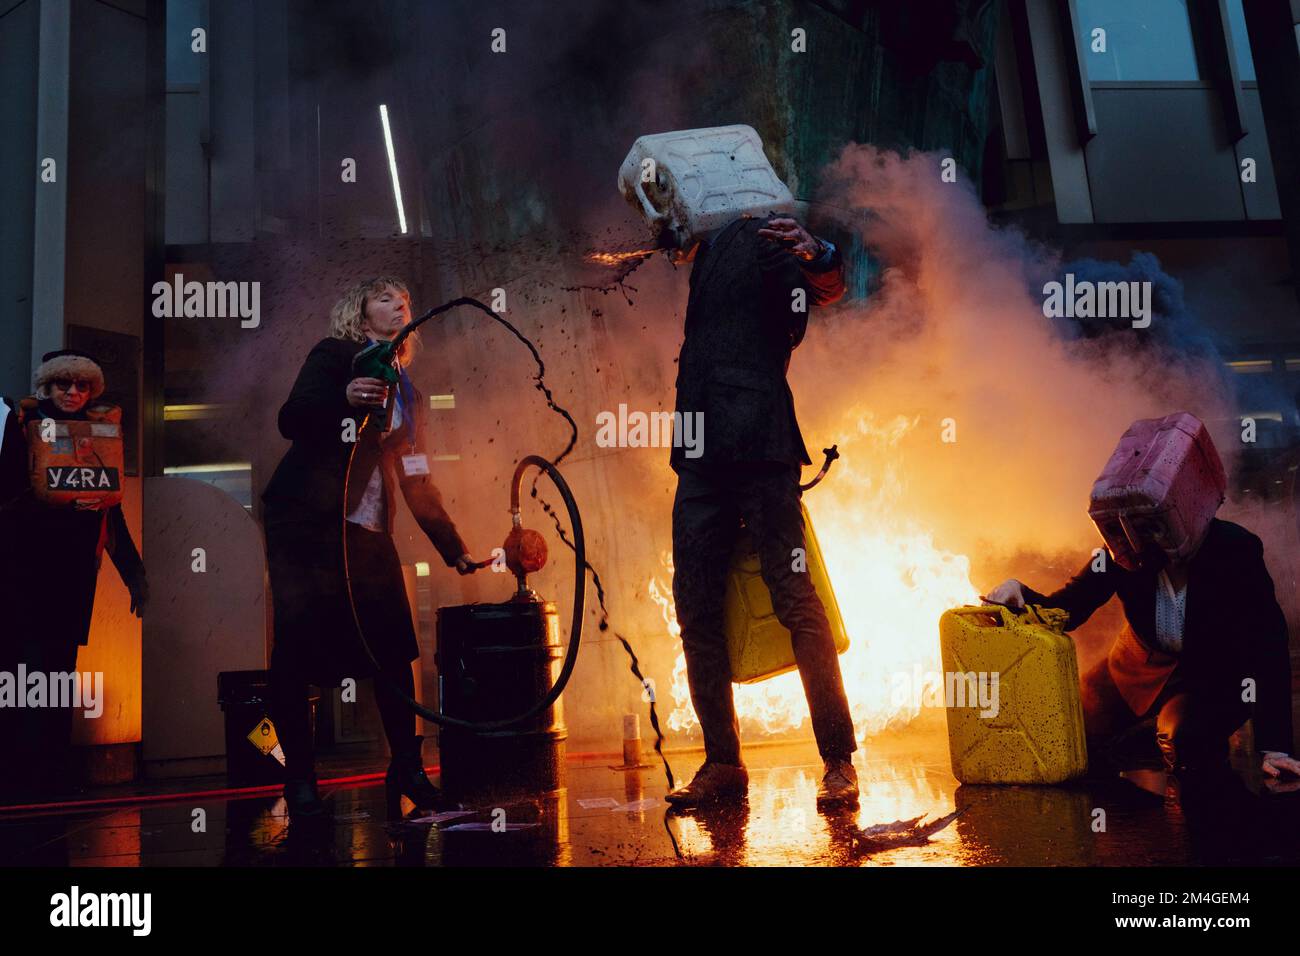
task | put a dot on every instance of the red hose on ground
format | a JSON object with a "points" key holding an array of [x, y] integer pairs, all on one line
{"points": [[273, 789]]}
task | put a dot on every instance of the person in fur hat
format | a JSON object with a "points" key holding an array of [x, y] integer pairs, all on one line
{"points": [[49, 567]]}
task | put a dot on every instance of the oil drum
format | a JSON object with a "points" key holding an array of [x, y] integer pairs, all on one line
{"points": [[495, 661]]}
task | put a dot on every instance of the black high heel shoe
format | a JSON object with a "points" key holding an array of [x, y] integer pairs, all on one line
{"points": [[406, 778], [303, 800]]}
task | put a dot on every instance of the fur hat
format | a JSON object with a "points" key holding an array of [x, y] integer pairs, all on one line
{"points": [[68, 363]]}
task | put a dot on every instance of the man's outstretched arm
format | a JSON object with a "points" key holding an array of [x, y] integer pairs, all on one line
{"points": [[820, 265], [825, 275]]}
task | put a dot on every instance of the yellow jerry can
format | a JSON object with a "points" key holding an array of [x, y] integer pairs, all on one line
{"points": [[1027, 724], [757, 643]]}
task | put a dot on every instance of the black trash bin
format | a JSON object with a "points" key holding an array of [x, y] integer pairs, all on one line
{"points": [[252, 754]]}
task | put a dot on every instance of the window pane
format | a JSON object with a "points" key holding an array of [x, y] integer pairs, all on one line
{"points": [[1150, 40], [1237, 24], [182, 62]]}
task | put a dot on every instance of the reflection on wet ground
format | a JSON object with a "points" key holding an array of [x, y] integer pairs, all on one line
{"points": [[607, 816]]}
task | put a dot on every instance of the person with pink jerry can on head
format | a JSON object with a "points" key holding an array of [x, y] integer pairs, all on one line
{"points": [[1205, 646]]}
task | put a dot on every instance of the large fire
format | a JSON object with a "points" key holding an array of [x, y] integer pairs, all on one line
{"points": [[892, 583]]}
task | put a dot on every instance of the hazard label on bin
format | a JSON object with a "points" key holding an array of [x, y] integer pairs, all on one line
{"points": [[264, 738]]}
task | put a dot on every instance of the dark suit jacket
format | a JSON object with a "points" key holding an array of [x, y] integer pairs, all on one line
{"points": [[50, 556], [740, 331], [308, 484], [1233, 629]]}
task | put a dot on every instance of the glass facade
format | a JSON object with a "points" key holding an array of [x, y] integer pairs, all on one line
{"points": [[1148, 41], [182, 63], [1240, 44]]}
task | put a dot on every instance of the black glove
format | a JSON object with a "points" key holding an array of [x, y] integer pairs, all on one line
{"points": [[139, 588]]}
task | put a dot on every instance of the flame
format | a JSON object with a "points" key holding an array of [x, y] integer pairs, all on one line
{"points": [[891, 580], [618, 258]]}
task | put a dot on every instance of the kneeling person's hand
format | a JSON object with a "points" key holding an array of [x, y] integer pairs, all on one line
{"points": [[1009, 592], [1274, 762]]}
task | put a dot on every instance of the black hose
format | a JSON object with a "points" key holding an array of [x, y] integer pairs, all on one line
{"points": [[831, 454], [579, 602]]}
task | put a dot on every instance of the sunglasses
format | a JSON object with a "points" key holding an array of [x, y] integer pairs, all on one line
{"points": [[66, 384]]}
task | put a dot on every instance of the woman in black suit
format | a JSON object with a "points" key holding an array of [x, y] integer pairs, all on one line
{"points": [[315, 637]]}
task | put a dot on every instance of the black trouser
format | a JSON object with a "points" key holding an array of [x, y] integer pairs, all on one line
{"points": [[291, 712], [1193, 722], [36, 742], [316, 640], [707, 515]]}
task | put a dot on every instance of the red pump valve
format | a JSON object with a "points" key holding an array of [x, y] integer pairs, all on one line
{"points": [[525, 551]]}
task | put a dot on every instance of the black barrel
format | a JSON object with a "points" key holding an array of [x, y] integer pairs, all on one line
{"points": [[250, 736], [495, 661]]}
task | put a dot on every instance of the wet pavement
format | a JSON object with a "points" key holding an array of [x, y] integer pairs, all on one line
{"points": [[606, 816]]}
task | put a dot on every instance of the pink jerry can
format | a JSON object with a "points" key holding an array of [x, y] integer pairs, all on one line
{"points": [[1161, 488]]}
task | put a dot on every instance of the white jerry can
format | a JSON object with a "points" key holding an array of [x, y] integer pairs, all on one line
{"points": [[688, 183]]}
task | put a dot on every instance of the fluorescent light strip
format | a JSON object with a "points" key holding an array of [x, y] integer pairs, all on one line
{"points": [[1252, 366], [184, 413], [207, 469], [392, 167]]}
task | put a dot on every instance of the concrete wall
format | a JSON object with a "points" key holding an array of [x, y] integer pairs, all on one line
{"points": [[206, 618]]}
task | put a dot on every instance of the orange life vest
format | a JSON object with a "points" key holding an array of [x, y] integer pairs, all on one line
{"points": [[74, 463]]}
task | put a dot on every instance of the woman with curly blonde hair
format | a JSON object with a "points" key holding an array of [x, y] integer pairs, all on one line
{"points": [[315, 637], [348, 316]]}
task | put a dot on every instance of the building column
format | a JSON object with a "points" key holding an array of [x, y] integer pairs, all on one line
{"points": [[49, 250]]}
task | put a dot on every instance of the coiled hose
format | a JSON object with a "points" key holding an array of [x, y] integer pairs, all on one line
{"points": [[579, 601]]}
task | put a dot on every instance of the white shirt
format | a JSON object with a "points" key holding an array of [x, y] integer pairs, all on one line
{"points": [[369, 512], [1171, 612]]}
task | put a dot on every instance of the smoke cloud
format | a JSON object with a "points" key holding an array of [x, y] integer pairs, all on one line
{"points": [[954, 344]]}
